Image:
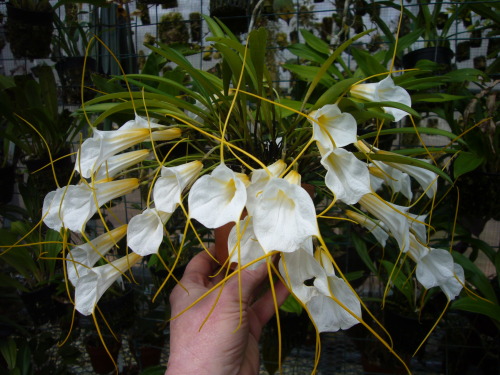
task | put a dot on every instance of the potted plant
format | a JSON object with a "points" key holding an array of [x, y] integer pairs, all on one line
{"points": [[70, 53], [30, 105], [29, 28], [249, 148]]}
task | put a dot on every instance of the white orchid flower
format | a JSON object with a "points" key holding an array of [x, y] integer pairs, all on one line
{"points": [[418, 227], [384, 91], [117, 163], [82, 257], [375, 227], [417, 250], [145, 231], [328, 316], [284, 215], [259, 179], [398, 181], [426, 179], [245, 248], [106, 143], [72, 206], [170, 185], [218, 198], [392, 215], [140, 122], [90, 287], [437, 268], [347, 176], [333, 128]]}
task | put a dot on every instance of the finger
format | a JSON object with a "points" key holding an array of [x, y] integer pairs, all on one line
{"points": [[251, 280], [265, 307], [200, 268]]}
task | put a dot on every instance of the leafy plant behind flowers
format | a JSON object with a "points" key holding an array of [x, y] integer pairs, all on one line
{"points": [[228, 142]]}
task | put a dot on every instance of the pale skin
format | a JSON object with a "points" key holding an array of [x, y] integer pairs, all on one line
{"points": [[226, 344]]}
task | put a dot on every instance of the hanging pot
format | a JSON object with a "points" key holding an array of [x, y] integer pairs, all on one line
{"points": [[233, 13], [29, 32], [440, 55], [7, 183], [70, 70]]}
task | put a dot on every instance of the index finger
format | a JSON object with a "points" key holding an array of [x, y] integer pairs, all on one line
{"points": [[200, 268]]}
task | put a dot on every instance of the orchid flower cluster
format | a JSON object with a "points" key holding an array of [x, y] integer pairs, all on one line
{"points": [[271, 211]]}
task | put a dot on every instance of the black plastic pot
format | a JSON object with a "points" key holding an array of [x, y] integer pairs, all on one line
{"points": [[7, 182], [70, 70], [233, 13], [440, 55], [29, 33]]}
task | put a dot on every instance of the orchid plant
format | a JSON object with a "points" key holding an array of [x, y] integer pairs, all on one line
{"points": [[250, 152]]}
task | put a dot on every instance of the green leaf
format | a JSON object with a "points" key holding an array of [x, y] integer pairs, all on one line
{"points": [[367, 63], [291, 305], [400, 159], [400, 280], [315, 42], [478, 306], [436, 97], [412, 130], [8, 348], [362, 251], [309, 73], [334, 92], [466, 162], [477, 277]]}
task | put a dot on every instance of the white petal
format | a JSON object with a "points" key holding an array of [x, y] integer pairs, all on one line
{"points": [[117, 163], [347, 176], [169, 187], [90, 288], [392, 215], [438, 269], [218, 198], [398, 181], [425, 178], [145, 231], [331, 124], [51, 209], [259, 179], [285, 209], [249, 248], [83, 257], [376, 227]]}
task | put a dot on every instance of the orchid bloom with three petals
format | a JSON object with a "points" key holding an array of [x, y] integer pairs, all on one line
{"points": [[259, 179], [398, 181], [90, 287], [72, 206], [347, 177], [82, 257], [375, 227], [392, 215], [384, 91], [172, 182], [218, 198], [286, 208], [106, 143], [117, 163], [437, 268], [328, 316], [145, 231], [245, 248], [333, 128]]}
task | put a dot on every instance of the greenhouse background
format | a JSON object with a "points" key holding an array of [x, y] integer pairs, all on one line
{"points": [[124, 28]]}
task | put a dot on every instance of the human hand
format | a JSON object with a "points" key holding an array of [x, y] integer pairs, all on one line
{"points": [[222, 345]]}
